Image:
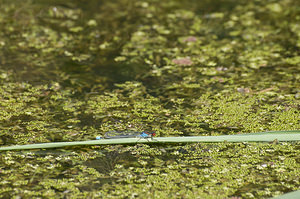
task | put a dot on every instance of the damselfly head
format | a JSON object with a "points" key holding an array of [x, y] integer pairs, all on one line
{"points": [[152, 134]]}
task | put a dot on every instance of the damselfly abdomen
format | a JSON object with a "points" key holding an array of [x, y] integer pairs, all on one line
{"points": [[126, 134]]}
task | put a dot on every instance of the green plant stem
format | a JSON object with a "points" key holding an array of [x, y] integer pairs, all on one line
{"points": [[280, 136]]}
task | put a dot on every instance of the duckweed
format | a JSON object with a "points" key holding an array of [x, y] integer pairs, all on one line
{"points": [[74, 70]]}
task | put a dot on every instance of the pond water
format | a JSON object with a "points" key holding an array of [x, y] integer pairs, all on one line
{"points": [[73, 70]]}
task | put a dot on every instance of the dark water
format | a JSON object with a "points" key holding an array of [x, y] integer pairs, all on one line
{"points": [[241, 74], [37, 27]]}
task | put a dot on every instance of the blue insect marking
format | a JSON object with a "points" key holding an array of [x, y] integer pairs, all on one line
{"points": [[126, 134]]}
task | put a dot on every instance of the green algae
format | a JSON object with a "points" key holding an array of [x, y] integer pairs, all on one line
{"points": [[72, 71], [202, 170]]}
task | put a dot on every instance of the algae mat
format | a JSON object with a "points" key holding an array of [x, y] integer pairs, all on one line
{"points": [[72, 70]]}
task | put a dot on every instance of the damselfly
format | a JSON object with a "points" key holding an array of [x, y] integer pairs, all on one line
{"points": [[126, 134]]}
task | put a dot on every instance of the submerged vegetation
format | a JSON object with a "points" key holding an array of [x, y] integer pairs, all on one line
{"points": [[71, 71]]}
